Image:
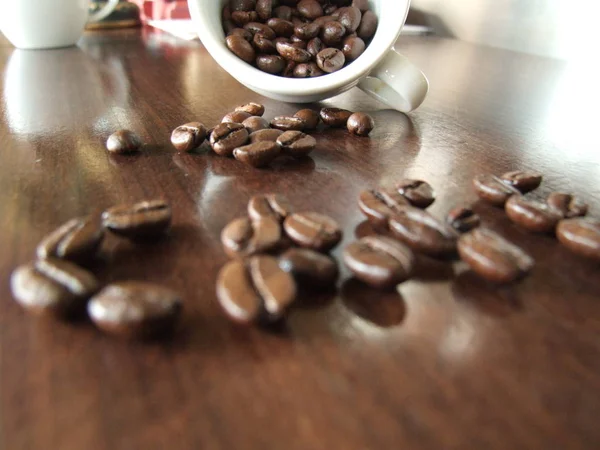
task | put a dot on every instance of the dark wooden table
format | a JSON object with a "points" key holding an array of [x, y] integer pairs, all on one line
{"points": [[449, 362]]}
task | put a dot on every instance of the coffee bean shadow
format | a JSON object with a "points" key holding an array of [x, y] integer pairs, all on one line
{"points": [[229, 167], [147, 151], [304, 164], [312, 299], [385, 309], [491, 299], [430, 269]]}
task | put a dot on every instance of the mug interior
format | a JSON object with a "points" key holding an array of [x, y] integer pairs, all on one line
{"points": [[207, 17]]}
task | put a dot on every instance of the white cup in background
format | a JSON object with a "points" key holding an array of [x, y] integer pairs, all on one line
{"points": [[380, 70], [40, 24]]}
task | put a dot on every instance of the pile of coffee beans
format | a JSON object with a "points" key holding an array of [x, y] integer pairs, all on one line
{"points": [[57, 285], [561, 213], [245, 135], [275, 252], [300, 39]]}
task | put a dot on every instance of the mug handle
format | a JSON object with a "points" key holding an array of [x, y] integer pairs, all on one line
{"points": [[104, 11], [396, 82]]}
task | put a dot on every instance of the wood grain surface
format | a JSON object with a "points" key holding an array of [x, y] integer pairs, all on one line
{"points": [[448, 362]]}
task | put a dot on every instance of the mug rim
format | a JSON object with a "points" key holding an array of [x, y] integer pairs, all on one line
{"points": [[262, 81]]}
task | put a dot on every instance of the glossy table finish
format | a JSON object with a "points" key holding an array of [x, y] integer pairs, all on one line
{"points": [[448, 362]]}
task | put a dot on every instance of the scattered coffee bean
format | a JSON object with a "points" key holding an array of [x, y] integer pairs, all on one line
{"points": [[270, 134], [258, 154], [283, 12], [241, 48], [330, 60], [270, 63], [313, 230], [254, 109], [235, 117], [423, 233], [52, 287], [360, 124], [379, 205], [142, 220], [228, 136], [255, 123], [569, 205], [78, 240], [522, 180], [335, 117], [242, 18], [379, 261], [263, 45], [350, 17], [272, 206], [307, 31], [532, 215], [580, 235], [288, 123], [309, 268], [293, 53], [264, 9], [493, 190], [493, 257], [368, 26], [321, 21], [332, 33], [281, 27], [296, 143], [255, 291], [260, 28], [123, 141], [188, 136], [419, 193], [310, 118], [135, 309], [353, 47], [463, 219], [310, 9], [243, 237]]}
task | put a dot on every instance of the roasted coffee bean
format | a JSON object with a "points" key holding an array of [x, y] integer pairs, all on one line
{"points": [[242, 18], [77, 240], [256, 291], [226, 137], [258, 154], [379, 205], [332, 34], [242, 33], [254, 109], [307, 31], [362, 5], [360, 124], [307, 70], [264, 9], [379, 261], [288, 71], [273, 64], [310, 118], [243, 237], [310, 9], [350, 17], [423, 233], [242, 5], [123, 141], [260, 28], [522, 180], [314, 46], [241, 48], [283, 12], [282, 28], [144, 219], [135, 309], [353, 47], [228, 27], [235, 117], [188, 136], [255, 123], [310, 269], [263, 45], [569, 205], [335, 117], [313, 230], [581, 235], [287, 123], [368, 26], [323, 20], [292, 53], [296, 143], [419, 193], [226, 13], [270, 134], [493, 257], [329, 9], [463, 219], [281, 39], [272, 206], [532, 215], [298, 43], [52, 287], [493, 190]]}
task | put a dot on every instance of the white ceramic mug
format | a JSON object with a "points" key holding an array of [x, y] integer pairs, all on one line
{"points": [[380, 70], [38, 24]]}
